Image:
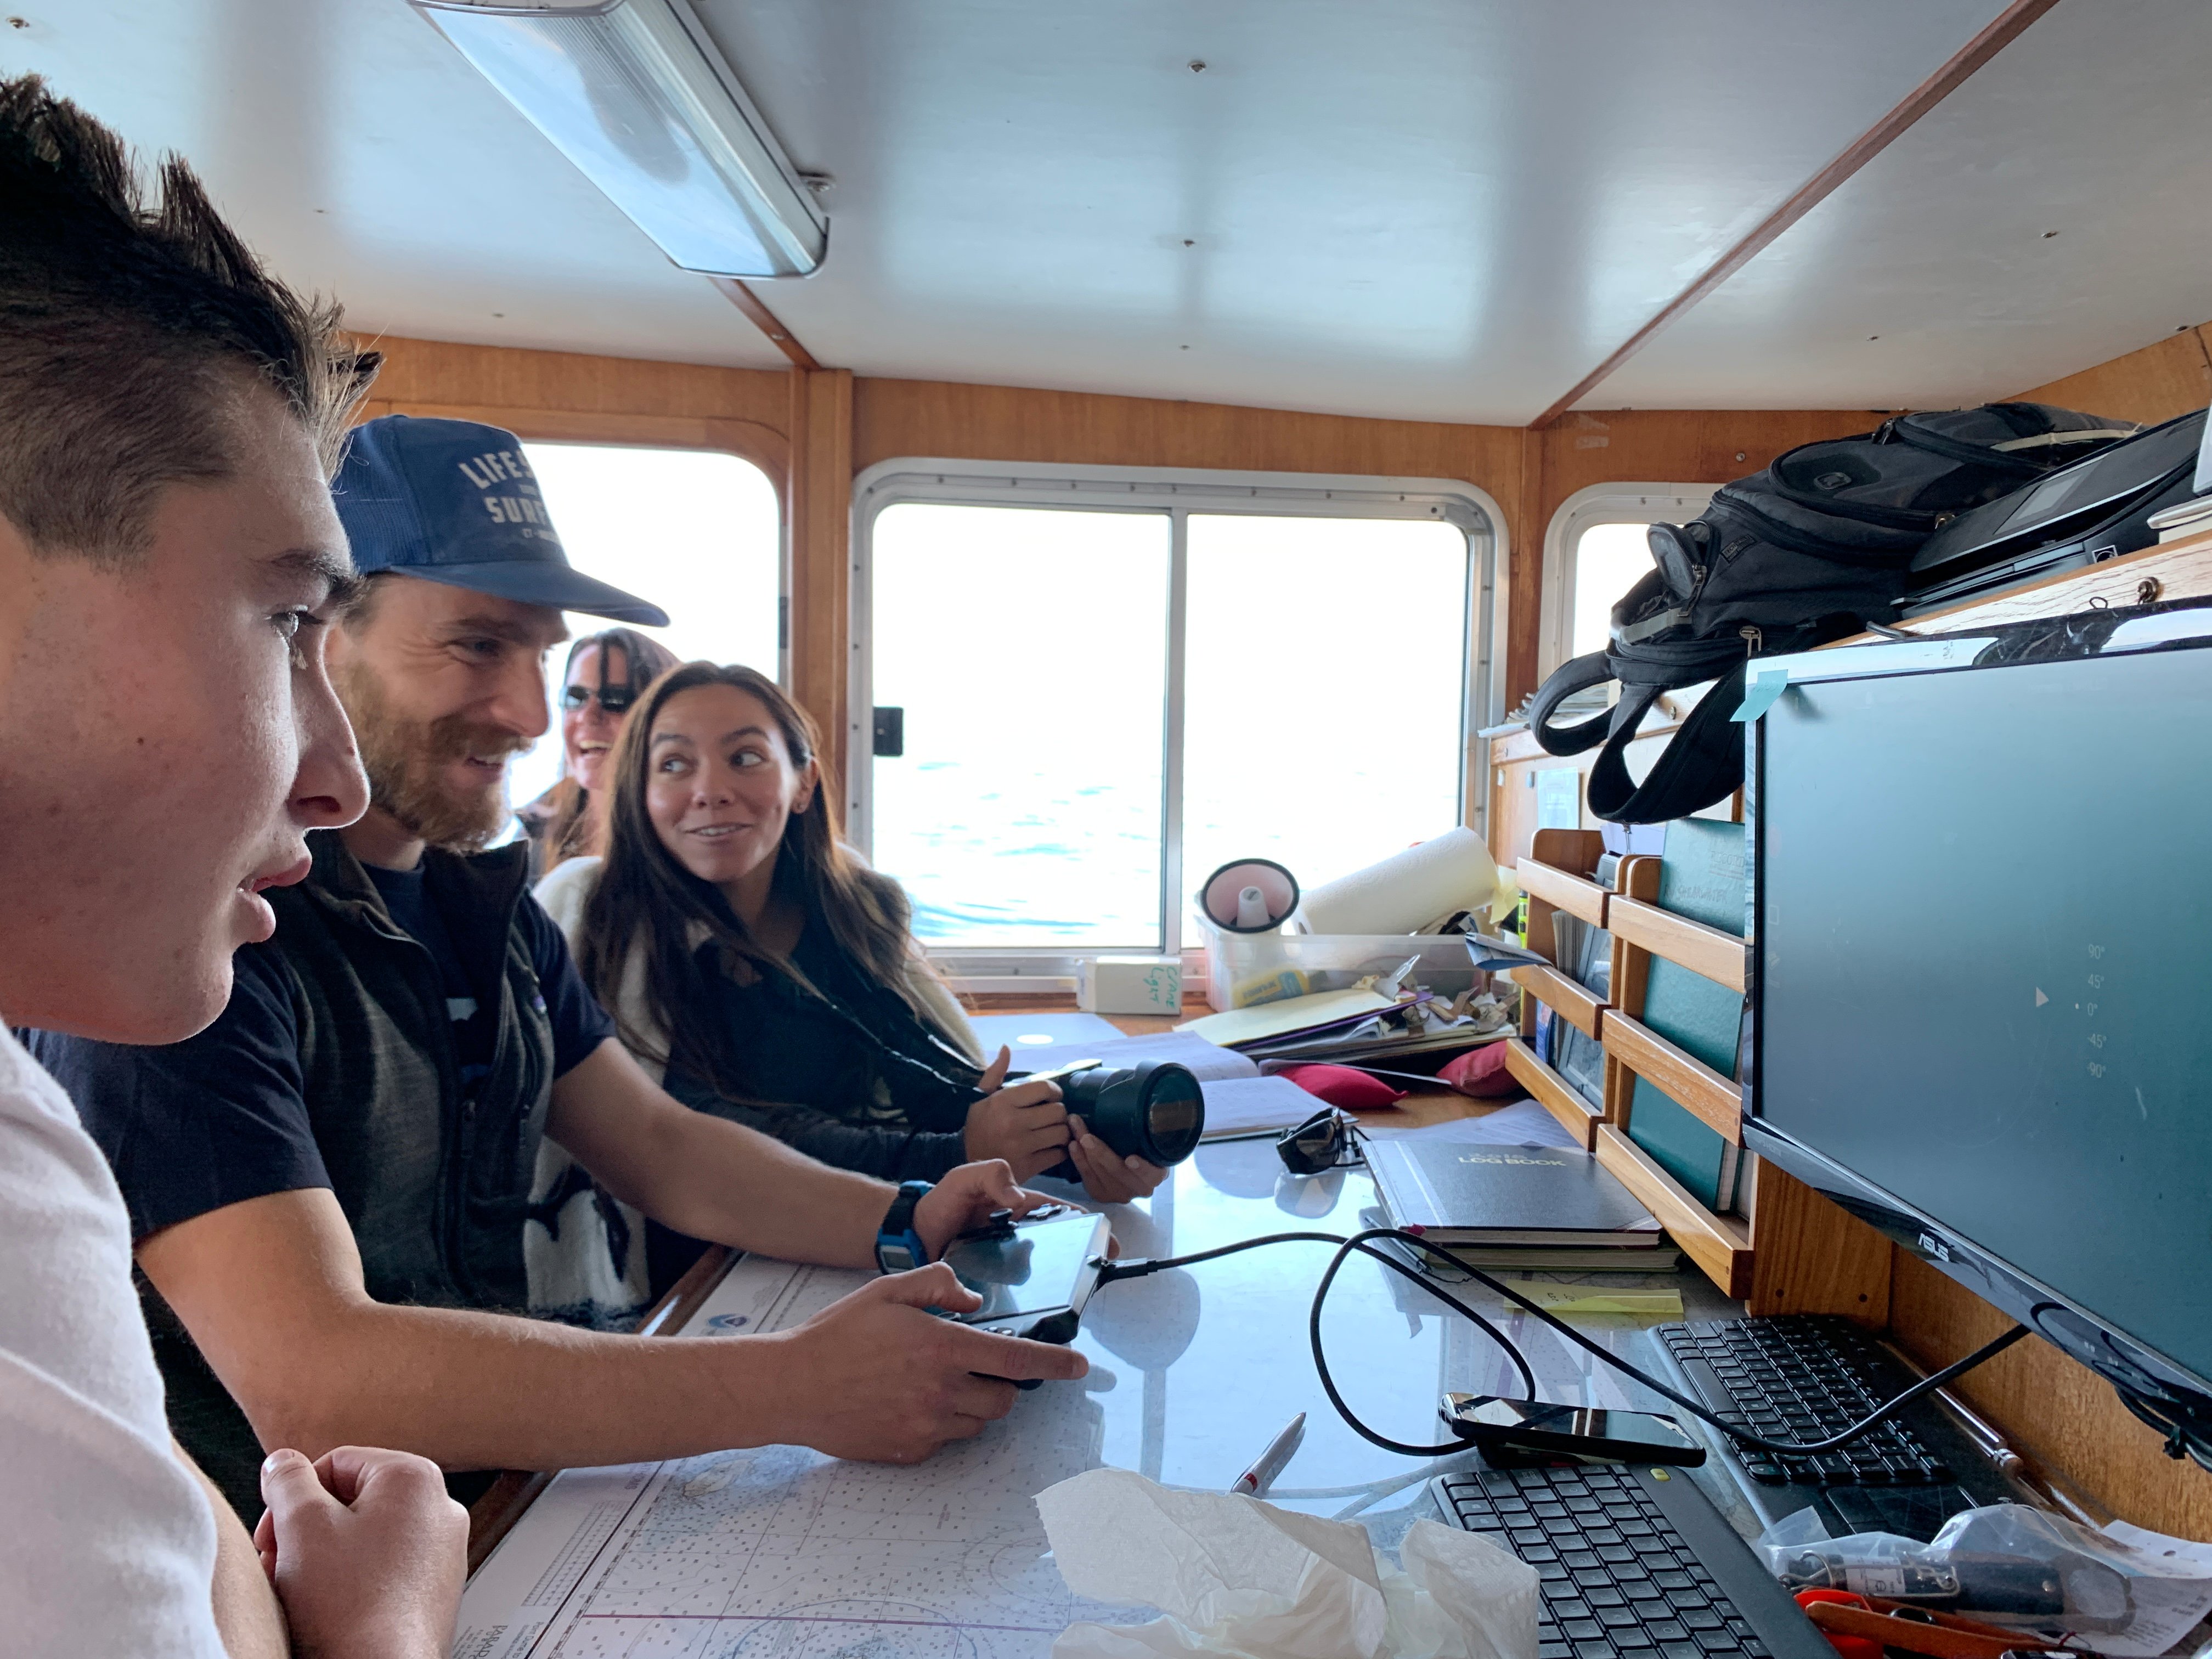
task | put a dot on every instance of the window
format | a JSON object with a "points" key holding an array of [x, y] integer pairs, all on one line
{"points": [[1609, 560], [1594, 551], [1027, 650], [696, 531], [1326, 716], [1109, 687]]}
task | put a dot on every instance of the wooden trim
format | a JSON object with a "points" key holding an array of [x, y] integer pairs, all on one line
{"points": [[757, 313], [1813, 1256], [1564, 996], [753, 441], [668, 1316], [1635, 882], [1637, 878], [493, 1516], [1578, 896], [1682, 1078], [1719, 1244], [1551, 1091], [1575, 851], [818, 521], [1998, 33], [1719, 957]]}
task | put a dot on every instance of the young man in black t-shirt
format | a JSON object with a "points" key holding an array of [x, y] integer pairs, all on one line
{"points": [[344, 1190]]}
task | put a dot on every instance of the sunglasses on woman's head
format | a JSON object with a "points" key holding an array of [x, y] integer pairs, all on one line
{"points": [[614, 699]]}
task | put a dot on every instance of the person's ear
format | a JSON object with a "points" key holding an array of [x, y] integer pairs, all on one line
{"points": [[810, 779]]}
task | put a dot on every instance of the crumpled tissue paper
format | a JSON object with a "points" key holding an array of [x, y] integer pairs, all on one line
{"points": [[1238, 1578]]}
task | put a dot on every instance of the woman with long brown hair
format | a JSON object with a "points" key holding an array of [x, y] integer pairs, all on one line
{"points": [[605, 673], [750, 954]]}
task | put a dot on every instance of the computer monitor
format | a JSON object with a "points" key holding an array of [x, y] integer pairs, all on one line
{"points": [[1982, 994]]}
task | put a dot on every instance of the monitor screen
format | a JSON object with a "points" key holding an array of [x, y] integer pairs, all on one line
{"points": [[1984, 958]]}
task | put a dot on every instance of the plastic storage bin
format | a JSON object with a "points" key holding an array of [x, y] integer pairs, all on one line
{"points": [[1243, 969]]}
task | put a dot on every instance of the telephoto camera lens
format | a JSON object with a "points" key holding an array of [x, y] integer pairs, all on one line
{"points": [[1153, 1109]]}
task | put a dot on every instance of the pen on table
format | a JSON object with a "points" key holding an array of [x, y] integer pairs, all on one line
{"points": [[1255, 1480]]}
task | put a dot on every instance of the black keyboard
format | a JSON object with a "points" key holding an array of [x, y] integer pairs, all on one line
{"points": [[1807, 1377], [1634, 1563]]}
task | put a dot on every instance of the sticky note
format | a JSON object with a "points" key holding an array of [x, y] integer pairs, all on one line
{"points": [[1664, 1305], [1770, 685]]}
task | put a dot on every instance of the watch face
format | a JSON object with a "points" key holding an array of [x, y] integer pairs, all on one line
{"points": [[895, 1256]]}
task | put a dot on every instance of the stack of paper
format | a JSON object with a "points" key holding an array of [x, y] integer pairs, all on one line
{"points": [[1343, 1025]]}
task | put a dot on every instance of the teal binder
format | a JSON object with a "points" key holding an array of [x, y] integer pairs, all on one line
{"points": [[1701, 876]]}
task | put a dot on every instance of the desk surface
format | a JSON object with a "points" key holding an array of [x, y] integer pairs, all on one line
{"points": [[1194, 1370]]}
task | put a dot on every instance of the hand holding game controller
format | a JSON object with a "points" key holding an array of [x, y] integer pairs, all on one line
{"points": [[964, 1199], [876, 1376]]}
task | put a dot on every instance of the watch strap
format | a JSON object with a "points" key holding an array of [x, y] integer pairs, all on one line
{"points": [[899, 1247]]}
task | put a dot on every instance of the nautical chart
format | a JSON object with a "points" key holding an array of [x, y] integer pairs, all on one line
{"points": [[785, 1552]]}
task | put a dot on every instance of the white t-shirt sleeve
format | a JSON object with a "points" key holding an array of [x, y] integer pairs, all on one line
{"points": [[106, 1542]]}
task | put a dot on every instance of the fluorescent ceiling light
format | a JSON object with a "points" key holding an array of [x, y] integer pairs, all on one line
{"points": [[637, 97]]}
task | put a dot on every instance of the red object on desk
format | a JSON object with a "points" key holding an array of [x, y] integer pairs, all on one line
{"points": [[1481, 1072], [1851, 1647], [1342, 1086]]}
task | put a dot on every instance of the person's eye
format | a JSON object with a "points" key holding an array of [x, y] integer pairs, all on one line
{"points": [[291, 624], [484, 650], [746, 759]]}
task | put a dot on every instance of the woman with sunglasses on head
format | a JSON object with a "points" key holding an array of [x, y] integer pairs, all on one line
{"points": [[606, 672], [745, 949]]}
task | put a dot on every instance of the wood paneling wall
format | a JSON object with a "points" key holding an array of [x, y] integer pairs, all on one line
{"points": [[817, 529], [2165, 379], [565, 394], [2058, 1414]]}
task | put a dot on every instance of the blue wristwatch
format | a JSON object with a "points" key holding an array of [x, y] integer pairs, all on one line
{"points": [[898, 1246]]}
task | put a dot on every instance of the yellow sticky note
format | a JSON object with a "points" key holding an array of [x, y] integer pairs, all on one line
{"points": [[1575, 1299]]}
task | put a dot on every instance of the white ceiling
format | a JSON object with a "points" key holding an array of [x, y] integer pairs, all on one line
{"points": [[2096, 124], [363, 156], [1430, 209]]}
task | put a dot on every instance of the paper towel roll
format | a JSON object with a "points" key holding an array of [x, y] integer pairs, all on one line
{"points": [[1409, 889]]}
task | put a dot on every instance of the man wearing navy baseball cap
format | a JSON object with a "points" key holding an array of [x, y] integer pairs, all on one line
{"points": [[413, 1121]]}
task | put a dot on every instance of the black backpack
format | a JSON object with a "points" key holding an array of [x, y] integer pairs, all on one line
{"points": [[1809, 550]]}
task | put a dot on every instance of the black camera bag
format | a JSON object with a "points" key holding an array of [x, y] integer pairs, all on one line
{"points": [[1809, 550]]}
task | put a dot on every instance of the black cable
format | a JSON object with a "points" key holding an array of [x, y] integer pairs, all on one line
{"points": [[1347, 1247], [1360, 1242]]}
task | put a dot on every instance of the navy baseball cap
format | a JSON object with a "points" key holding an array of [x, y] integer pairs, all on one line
{"points": [[455, 502]]}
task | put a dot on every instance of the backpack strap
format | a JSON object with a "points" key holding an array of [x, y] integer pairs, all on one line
{"points": [[1702, 763], [1907, 431], [1569, 677]]}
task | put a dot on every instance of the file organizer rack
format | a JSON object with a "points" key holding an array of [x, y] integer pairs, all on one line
{"points": [[1556, 876], [1721, 1245]]}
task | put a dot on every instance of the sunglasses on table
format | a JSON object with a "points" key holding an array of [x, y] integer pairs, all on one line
{"points": [[1323, 1142]]}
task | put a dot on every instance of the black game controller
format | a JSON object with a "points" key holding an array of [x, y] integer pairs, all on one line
{"points": [[1034, 1274]]}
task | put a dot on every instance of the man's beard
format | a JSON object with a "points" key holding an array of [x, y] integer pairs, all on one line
{"points": [[406, 761]]}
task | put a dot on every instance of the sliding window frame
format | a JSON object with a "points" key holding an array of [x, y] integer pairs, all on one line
{"points": [[1178, 492]]}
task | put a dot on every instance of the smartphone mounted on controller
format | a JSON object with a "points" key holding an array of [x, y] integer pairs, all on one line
{"points": [[1034, 1275]]}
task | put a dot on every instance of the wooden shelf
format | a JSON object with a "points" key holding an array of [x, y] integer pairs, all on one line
{"points": [[1719, 957], [1719, 1244], [1553, 1092], [1578, 1007], [1682, 1078], [1578, 896]]}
